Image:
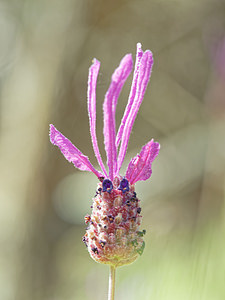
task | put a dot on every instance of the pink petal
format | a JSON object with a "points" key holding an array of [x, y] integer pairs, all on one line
{"points": [[142, 82], [91, 96], [133, 90], [120, 76], [109, 107], [71, 153], [140, 167]]}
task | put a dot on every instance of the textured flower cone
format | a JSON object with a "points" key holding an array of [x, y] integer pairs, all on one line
{"points": [[112, 236]]}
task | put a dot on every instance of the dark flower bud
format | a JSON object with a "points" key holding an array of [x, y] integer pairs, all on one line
{"points": [[124, 185], [95, 250], [107, 186]]}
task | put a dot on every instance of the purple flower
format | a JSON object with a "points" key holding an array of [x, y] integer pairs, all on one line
{"points": [[113, 236], [139, 167]]}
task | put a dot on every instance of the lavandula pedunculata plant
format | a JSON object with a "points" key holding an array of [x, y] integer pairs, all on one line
{"points": [[113, 236]]}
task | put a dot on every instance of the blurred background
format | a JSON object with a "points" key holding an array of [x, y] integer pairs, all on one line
{"points": [[46, 48]]}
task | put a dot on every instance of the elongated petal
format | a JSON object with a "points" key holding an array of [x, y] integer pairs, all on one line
{"points": [[143, 79], [140, 167], [91, 97], [133, 91], [71, 153], [109, 107], [120, 76]]}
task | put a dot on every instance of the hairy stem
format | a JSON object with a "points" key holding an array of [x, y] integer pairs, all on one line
{"points": [[111, 292]]}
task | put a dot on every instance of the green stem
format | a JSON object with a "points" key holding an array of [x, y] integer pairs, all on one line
{"points": [[111, 293]]}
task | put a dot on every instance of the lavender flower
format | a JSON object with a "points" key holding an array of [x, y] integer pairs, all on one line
{"points": [[113, 236]]}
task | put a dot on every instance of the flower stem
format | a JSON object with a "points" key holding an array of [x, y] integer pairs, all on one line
{"points": [[111, 292]]}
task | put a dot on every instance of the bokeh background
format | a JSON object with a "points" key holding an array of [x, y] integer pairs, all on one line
{"points": [[46, 48]]}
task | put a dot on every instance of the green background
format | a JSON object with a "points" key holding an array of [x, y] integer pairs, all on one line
{"points": [[46, 48]]}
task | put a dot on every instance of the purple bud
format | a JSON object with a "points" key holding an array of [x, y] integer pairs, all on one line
{"points": [[107, 186], [124, 185]]}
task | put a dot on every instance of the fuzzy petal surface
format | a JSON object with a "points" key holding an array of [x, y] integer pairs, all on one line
{"points": [[140, 167], [120, 76], [70, 152], [133, 91], [91, 101], [109, 108], [145, 68]]}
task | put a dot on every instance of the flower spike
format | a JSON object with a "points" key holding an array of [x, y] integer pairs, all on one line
{"points": [[70, 152], [113, 236], [91, 99], [109, 107]]}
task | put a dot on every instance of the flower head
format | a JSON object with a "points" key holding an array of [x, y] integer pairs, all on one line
{"points": [[112, 236]]}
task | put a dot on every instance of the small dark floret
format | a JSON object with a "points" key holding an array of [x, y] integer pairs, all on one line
{"points": [[141, 233], [133, 219], [133, 199], [95, 250], [87, 219], [110, 218], [138, 210], [128, 203], [84, 240], [107, 186], [124, 185], [98, 192], [102, 243]]}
